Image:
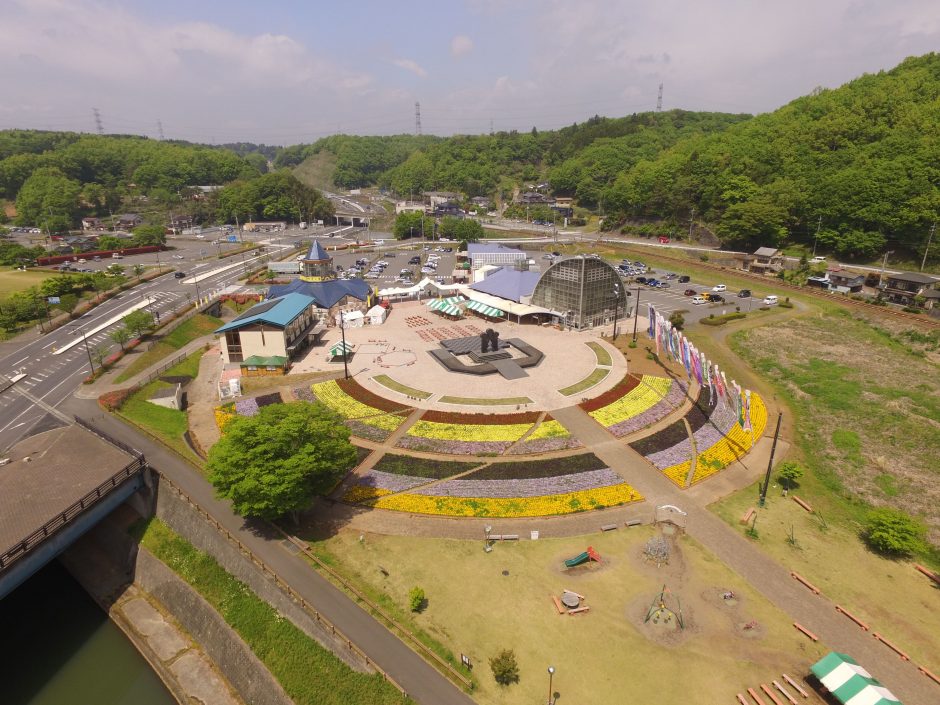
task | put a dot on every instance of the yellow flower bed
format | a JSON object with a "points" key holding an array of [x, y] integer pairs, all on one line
{"points": [[548, 429], [734, 445], [517, 507], [469, 432], [678, 473], [222, 417], [339, 401], [387, 422], [650, 391], [363, 494]]}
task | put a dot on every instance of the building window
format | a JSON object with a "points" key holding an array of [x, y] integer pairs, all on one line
{"points": [[233, 343]]}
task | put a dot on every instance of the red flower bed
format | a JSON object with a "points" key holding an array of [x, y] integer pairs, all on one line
{"points": [[624, 386], [360, 393], [112, 401], [483, 419]]}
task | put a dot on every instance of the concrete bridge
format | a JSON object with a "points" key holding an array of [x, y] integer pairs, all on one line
{"points": [[54, 487]]}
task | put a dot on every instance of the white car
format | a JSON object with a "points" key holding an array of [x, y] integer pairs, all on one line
{"points": [[770, 300], [699, 300], [817, 260], [719, 288]]}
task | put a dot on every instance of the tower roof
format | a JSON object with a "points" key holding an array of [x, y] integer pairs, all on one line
{"points": [[316, 252]]}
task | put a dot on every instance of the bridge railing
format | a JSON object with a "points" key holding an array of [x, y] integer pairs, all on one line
{"points": [[60, 520], [87, 425]]}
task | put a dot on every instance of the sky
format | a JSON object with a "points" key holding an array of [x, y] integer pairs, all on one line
{"points": [[292, 71]]}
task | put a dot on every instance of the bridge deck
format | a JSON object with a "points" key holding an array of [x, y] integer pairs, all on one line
{"points": [[64, 465]]}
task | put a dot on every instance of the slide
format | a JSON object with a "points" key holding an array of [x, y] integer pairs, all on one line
{"points": [[577, 560]]}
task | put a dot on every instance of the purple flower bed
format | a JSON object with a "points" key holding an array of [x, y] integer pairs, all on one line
{"points": [[246, 407], [663, 408], [268, 399], [545, 445], [433, 445], [679, 453], [721, 421], [534, 469], [370, 433], [702, 409], [507, 489], [389, 481]]}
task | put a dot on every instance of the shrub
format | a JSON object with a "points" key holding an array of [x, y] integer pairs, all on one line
{"points": [[112, 401], [677, 320], [894, 532], [416, 599], [789, 472], [504, 666]]}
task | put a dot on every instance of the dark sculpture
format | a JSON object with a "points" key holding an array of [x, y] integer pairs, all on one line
{"points": [[489, 338]]}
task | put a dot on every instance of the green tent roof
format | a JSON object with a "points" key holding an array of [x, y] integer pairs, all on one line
{"points": [[259, 361], [340, 348], [849, 682]]}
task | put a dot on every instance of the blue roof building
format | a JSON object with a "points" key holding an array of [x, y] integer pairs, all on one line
{"points": [[326, 294], [317, 265], [508, 283], [483, 253], [281, 326]]}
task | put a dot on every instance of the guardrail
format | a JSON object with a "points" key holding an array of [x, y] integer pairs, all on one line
{"points": [[110, 439], [281, 583], [63, 518]]}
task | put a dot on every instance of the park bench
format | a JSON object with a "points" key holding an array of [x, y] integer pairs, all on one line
{"points": [[634, 522], [748, 515], [558, 605], [608, 527]]}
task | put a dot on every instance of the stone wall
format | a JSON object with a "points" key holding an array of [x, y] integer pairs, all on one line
{"points": [[180, 516], [222, 645]]}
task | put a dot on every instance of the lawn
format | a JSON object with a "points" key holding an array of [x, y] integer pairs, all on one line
{"points": [[309, 673], [13, 280], [179, 337], [602, 354], [591, 380], [480, 603], [389, 383], [477, 401], [168, 425]]}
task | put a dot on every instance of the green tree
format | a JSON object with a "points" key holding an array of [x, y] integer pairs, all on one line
{"points": [[139, 321], [273, 463], [677, 320], [505, 668], [894, 532], [416, 599], [120, 336], [110, 242], [412, 224], [752, 224], [149, 235], [138, 269], [789, 473], [98, 354], [48, 198], [115, 269]]}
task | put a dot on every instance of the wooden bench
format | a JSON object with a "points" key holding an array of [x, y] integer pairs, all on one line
{"points": [[806, 631], [929, 573], [608, 527], [558, 605], [784, 692], [748, 515], [579, 610], [803, 504], [795, 685], [770, 694], [633, 522], [852, 617], [742, 700], [931, 676], [580, 596], [804, 581], [895, 649], [753, 694]]}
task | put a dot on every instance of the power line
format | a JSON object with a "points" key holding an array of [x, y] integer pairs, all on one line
{"points": [[417, 118]]}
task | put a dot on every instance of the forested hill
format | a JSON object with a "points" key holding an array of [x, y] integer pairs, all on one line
{"points": [[579, 160], [862, 162]]}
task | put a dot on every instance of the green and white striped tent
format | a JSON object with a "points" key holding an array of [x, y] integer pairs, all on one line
{"points": [[451, 300], [442, 306], [485, 310], [850, 683], [341, 349]]}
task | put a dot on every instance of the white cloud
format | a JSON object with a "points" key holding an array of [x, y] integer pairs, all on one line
{"points": [[460, 45], [411, 65]]}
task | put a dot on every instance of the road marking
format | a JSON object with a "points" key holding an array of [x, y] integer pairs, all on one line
{"points": [[110, 321], [19, 361]]}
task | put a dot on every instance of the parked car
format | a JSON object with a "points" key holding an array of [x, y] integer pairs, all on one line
{"points": [[641, 280], [651, 282], [179, 275], [671, 276], [698, 300], [770, 300], [690, 292], [662, 285], [817, 260], [390, 254], [684, 279], [744, 294], [719, 287], [716, 298]]}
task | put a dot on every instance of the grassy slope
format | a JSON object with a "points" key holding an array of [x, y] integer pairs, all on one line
{"points": [[317, 170], [180, 336], [310, 674]]}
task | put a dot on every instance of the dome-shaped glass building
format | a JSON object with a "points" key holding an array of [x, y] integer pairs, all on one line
{"points": [[585, 291]]}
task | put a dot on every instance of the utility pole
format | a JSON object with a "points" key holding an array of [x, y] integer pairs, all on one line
{"points": [[342, 330], [636, 315], [884, 265], [770, 463], [933, 229], [816, 236], [87, 351]]}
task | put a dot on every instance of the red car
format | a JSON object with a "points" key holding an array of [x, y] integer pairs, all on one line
{"points": [[690, 292]]}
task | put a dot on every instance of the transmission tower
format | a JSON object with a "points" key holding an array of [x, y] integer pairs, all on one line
{"points": [[417, 118], [160, 130], [98, 124], [491, 126], [659, 99]]}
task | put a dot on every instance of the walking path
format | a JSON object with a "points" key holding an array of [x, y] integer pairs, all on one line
{"points": [[421, 681]]}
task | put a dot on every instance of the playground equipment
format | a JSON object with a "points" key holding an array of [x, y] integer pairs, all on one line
{"points": [[661, 614], [670, 513], [589, 555], [657, 549]]}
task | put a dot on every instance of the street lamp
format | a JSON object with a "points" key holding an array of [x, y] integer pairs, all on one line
{"points": [[342, 329], [637, 314], [87, 351], [551, 673]]}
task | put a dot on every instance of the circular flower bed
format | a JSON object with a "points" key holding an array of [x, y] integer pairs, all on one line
{"points": [[367, 415], [635, 403], [467, 434], [549, 436]]}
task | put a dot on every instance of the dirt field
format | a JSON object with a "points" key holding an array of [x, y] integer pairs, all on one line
{"points": [[12, 280], [479, 604]]}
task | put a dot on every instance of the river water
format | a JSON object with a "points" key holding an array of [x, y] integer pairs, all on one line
{"points": [[57, 647]]}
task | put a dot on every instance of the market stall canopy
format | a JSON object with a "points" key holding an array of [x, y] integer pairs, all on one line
{"points": [[481, 307], [849, 683], [340, 349]]}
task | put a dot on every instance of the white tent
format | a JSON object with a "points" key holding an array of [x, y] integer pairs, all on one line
{"points": [[352, 319], [376, 315]]}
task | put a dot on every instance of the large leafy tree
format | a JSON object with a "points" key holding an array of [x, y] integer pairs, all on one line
{"points": [[49, 197], [149, 235], [275, 462], [278, 195], [412, 224]]}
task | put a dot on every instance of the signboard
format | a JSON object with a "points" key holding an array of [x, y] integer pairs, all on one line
{"points": [[54, 300], [232, 238]]}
